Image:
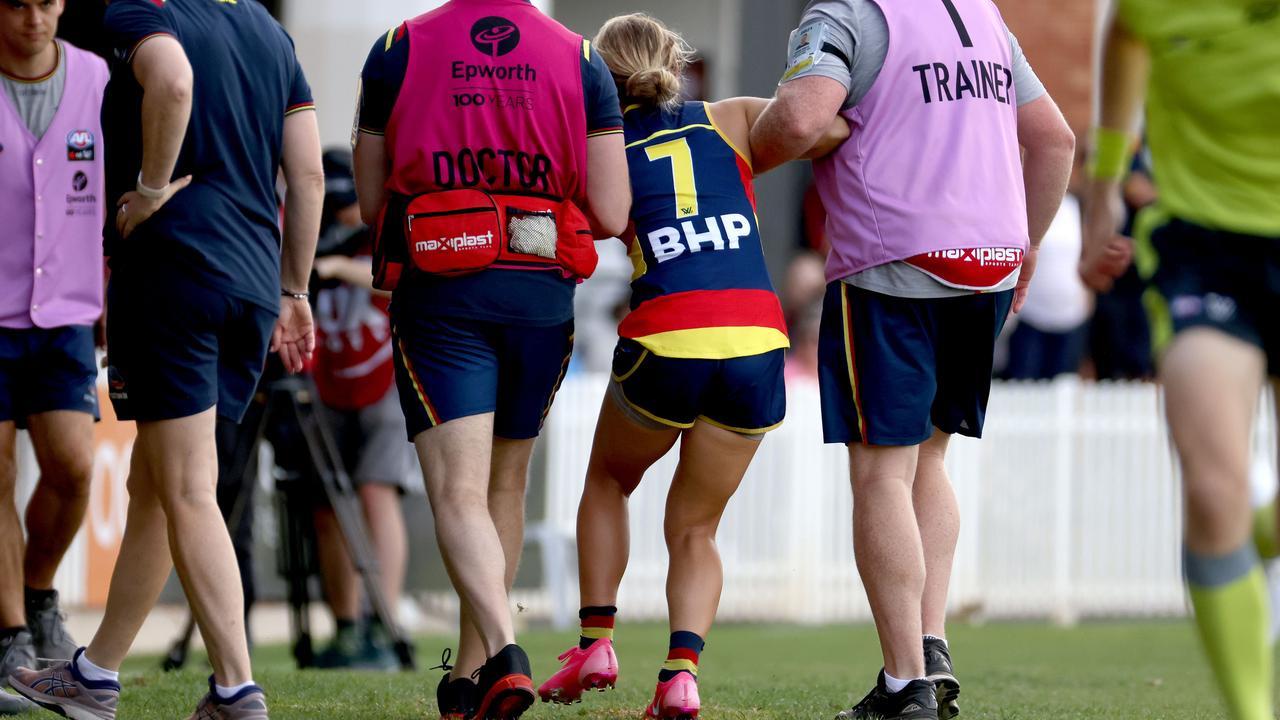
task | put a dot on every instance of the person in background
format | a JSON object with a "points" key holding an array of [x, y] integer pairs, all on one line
{"points": [[1051, 332], [1210, 247], [354, 374], [940, 98], [52, 200], [203, 284], [1120, 330]]}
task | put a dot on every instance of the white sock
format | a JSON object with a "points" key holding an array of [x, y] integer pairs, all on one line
{"points": [[226, 693], [894, 685], [92, 672], [941, 640]]}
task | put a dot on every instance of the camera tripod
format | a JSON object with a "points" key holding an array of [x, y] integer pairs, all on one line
{"points": [[292, 399]]}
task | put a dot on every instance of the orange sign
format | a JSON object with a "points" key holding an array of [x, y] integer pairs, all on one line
{"points": [[108, 500]]}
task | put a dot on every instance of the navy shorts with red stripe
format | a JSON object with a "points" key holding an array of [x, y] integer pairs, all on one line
{"points": [[892, 369], [449, 368]]}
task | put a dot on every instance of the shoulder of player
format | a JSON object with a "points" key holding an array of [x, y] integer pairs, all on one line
{"points": [[89, 63], [845, 13], [396, 38]]}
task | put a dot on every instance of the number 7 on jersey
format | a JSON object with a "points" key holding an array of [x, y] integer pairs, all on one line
{"points": [[686, 185]]}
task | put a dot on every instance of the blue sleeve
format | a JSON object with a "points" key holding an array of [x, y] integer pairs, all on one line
{"points": [[299, 91], [381, 80], [604, 114], [129, 23]]}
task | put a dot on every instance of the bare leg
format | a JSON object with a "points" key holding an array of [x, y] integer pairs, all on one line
{"points": [[385, 519], [141, 569], [938, 515], [508, 479], [886, 541], [1211, 383], [13, 612], [63, 442], [337, 573], [620, 455], [184, 458], [455, 460], [1211, 393], [712, 464]]}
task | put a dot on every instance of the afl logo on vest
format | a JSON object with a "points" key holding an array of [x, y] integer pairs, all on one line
{"points": [[495, 36], [79, 145]]}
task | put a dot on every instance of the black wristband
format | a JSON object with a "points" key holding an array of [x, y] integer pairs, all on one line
{"points": [[294, 295]]}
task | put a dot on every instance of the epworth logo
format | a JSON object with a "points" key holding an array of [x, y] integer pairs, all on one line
{"points": [[495, 36], [79, 145]]}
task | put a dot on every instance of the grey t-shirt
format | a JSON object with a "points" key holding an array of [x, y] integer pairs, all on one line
{"points": [[858, 31], [37, 100]]}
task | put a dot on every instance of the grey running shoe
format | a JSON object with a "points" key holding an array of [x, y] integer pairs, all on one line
{"points": [[49, 631], [248, 704], [14, 704], [65, 691], [15, 652], [938, 670]]}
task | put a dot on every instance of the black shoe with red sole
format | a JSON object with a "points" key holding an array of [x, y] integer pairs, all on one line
{"points": [[505, 685]]}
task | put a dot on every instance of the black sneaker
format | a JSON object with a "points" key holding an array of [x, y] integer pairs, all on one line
{"points": [[505, 685], [938, 670], [916, 701], [456, 698]]}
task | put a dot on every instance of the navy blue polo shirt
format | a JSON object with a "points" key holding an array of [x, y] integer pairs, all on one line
{"points": [[224, 230], [497, 295]]}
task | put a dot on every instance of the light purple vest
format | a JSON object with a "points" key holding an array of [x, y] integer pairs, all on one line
{"points": [[51, 206], [933, 162]]}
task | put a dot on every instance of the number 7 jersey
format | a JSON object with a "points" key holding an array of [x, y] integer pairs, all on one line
{"points": [[700, 288]]}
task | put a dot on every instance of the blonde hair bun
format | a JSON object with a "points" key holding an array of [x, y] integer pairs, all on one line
{"points": [[659, 86], [645, 57]]}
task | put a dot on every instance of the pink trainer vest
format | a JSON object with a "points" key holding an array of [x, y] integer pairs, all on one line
{"points": [[52, 205], [492, 100], [933, 162]]}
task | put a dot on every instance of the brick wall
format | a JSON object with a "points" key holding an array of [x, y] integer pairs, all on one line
{"points": [[1058, 36]]}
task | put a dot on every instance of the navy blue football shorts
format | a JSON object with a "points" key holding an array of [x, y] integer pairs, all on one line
{"points": [[1217, 279], [44, 370], [892, 369], [176, 348], [449, 368], [745, 395]]}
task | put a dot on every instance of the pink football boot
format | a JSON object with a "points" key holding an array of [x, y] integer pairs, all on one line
{"points": [[675, 699], [595, 668]]}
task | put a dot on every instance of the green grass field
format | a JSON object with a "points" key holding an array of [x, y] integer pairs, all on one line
{"points": [[1008, 671]]}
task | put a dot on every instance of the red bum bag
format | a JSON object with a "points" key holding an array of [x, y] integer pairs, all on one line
{"points": [[459, 232]]}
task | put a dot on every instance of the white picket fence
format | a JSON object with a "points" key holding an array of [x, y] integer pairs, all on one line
{"points": [[1070, 509]]}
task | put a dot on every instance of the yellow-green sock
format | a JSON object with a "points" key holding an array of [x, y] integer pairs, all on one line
{"points": [[1230, 598], [1266, 531]]}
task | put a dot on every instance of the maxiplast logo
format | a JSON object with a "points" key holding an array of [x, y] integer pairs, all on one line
{"points": [[495, 36], [465, 241]]}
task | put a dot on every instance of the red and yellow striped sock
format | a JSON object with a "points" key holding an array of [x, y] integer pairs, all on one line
{"points": [[682, 656], [597, 624]]}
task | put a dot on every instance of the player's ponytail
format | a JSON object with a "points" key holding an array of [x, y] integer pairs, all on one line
{"points": [[646, 59]]}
